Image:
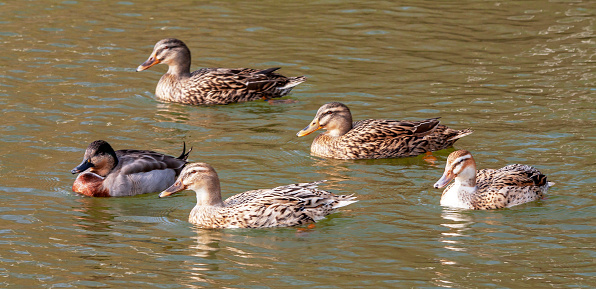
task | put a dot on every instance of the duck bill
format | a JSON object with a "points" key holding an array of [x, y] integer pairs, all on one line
{"points": [[444, 180], [150, 62], [313, 126], [82, 167], [176, 187]]}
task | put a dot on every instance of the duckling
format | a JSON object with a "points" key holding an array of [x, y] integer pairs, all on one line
{"points": [[375, 138], [489, 189], [212, 85], [282, 206], [108, 173]]}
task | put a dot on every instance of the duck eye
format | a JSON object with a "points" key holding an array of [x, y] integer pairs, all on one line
{"points": [[328, 112]]}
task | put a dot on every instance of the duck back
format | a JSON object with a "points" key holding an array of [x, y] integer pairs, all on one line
{"points": [[289, 205], [382, 138], [224, 86], [509, 186]]}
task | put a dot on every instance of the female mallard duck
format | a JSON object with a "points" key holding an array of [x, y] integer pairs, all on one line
{"points": [[375, 138], [289, 205], [489, 189], [212, 85], [108, 173]]}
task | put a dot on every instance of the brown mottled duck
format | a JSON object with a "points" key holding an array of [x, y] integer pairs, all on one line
{"points": [[487, 188], [375, 138], [212, 85], [288, 205]]}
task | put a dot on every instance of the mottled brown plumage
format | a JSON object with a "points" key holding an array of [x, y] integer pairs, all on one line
{"points": [[212, 85], [375, 138], [489, 189], [108, 173], [289, 205]]}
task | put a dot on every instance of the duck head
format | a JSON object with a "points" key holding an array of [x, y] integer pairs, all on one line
{"points": [[201, 178], [335, 117], [461, 166], [100, 158], [170, 51]]}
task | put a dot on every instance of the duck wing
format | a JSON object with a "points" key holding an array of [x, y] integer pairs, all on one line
{"points": [[288, 205], [382, 138], [141, 161], [225, 85], [509, 186], [516, 175]]}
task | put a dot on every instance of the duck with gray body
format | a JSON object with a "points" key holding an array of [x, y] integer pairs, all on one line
{"points": [[375, 138], [108, 173], [212, 85], [487, 188], [282, 206]]}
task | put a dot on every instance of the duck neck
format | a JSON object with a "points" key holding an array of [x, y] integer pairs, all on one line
{"points": [[340, 127], [179, 64], [209, 194], [465, 182], [180, 70], [468, 183]]}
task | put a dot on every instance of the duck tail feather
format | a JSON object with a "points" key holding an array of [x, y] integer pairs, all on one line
{"points": [[348, 200], [293, 81], [426, 126], [184, 154], [460, 134]]}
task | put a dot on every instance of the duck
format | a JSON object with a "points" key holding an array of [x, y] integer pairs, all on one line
{"points": [[108, 173], [489, 189], [283, 206], [375, 138], [208, 86]]}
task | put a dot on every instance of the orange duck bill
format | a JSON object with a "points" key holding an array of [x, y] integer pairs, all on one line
{"points": [[176, 187], [313, 126], [150, 62]]}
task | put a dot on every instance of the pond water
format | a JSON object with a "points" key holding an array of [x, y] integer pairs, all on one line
{"points": [[520, 73]]}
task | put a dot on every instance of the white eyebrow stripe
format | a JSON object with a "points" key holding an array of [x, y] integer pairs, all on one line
{"points": [[462, 158], [199, 169]]}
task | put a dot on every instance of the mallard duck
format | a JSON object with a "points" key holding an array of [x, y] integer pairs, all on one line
{"points": [[108, 173], [212, 85], [489, 189], [375, 138], [289, 205]]}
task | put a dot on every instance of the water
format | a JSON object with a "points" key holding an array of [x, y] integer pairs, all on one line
{"points": [[520, 74]]}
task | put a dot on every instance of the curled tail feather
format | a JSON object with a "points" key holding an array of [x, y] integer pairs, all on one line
{"points": [[184, 154]]}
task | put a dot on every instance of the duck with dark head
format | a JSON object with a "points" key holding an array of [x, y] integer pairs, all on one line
{"points": [[108, 173]]}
